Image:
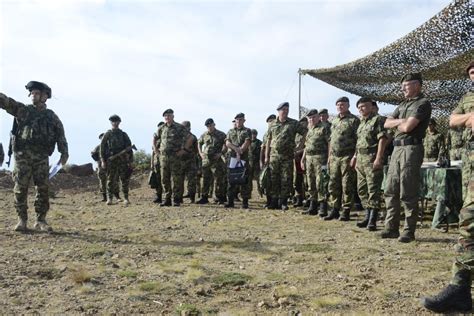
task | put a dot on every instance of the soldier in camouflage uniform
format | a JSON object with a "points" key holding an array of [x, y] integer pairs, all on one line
{"points": [[269, 120], [299, 176], [454, 143], [254, 158], [101, 172], [324, 117], [280, 155], [238, 141], [38, 131], [2, 154], [171, 142], [433, 143], [315, 156], [189, 162], [211, 146], [155, 165], [456, 297], [117, 162], [410, 119], [368, 161], [342, 181]]}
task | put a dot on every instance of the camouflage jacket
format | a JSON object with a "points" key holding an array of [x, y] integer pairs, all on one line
{"points": [[369, 133], [454, 138], [281, 137], [238, 136], [419, 108], [344, 134], [170, 139], [212, 143], [317, 139], [466, 105], [434, 146], [39, 130], [254, 151], [193, 151], [113, 142]]}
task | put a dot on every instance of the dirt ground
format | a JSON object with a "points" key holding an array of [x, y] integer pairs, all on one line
{"points": [[207, 259]]}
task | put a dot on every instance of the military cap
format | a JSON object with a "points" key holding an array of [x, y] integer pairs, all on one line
{"points": [[282, 105], [36, 85], [323, 111], [271, 117], [186, 124], [303, 119], [254, 132], [471, 65], [209, 121], [412, 76], [342, 99], [115, 118], [312, 112], [168, 111], [432, 122], [364, 100], [160, 124], [101, 135], [239, 116]]}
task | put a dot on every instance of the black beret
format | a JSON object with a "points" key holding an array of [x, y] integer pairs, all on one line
{"points": [[239, 115], [282, 105], [115, 118], [363, 100], [168, 111], [412, 76], [432, 121], [36, 85], [471, 65], [271, 117], [254, 131], [101, 135], [209, 121], [160, 124], [342, 99], [323, 111], [312, 112]]}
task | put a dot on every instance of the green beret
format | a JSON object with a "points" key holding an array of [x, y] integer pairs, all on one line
{"points": [[282, 105], [239, 116], [115, 118], [342, 99], [323, 111], [36, 85], [312, 112], [271, 117], [412, 76], [209, 121], [168, 111]]}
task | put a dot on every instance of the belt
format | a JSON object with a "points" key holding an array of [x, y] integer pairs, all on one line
{"points": [[342, 153], [317, 153], [366, 151], [407, 142]]}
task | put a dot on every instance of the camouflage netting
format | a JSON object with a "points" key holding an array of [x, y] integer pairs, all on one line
{"points": [[440, 49]]}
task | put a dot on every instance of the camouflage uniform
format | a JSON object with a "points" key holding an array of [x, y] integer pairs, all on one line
{"points": [[113, 142], [254, 161], [101, 172], [39, 130], [454, 143], [238, 136], [433, 146], [189, 163], [403, 176], [157, 170], [281, 139], [213, 168], [170, 140], [342, 178], [299, 175]]}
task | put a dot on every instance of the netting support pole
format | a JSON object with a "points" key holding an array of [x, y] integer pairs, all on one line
{"points": [[299, 93]]}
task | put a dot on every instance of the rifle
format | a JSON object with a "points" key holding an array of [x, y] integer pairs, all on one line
{"points": [[12, 140], [127, 149]]}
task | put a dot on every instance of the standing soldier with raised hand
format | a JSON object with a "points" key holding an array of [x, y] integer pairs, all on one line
{"points": [[280, 149], [342, 178], [116, 156], [369, 160], [410, 120], [38, 131]]}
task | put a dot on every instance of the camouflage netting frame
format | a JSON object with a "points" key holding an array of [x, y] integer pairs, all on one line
{"points": [[440, 49]]}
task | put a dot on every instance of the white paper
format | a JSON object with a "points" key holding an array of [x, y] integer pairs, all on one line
{"points": [[234, 161], [55, 170]]}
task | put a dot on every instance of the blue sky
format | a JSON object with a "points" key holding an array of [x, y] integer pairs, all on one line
{"points": [[201, 58]]}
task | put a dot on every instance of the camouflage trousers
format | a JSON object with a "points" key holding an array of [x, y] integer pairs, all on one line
{"points": [[190, 174], [282, 176], [342, 182], [213, 172], [118, 171], [29, 166], [403, 186], [172, 176], [102, 176], [369, 182], [157, 170], [456, 153], [314, 174]]}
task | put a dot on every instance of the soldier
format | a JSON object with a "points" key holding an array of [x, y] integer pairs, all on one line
{"points": [[410, 119], [101, 172], [170, 144], [368, 161], [342, 178], [189, 162], [280, 155], [238, 142], [456, 297], [315, 156], [38, 130], [433, 143], [324, 117], [2, 154], [116, 157], [155, 162], [254, 158], [211, 146], [299, 173], [269, 120], [454, 143]]}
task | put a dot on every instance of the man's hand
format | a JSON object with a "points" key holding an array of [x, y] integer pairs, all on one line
{"points": [[353, 162], [63, 159], [238, 157], [202, 156], [378, 163], [302, 164]]}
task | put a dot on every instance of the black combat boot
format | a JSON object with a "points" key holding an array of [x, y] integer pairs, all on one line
{"points": [[407, 236], [221, 200], [374, 214], [299, 201], [312, 210], [230, 202], [334, 214], [157, 199], [177, 202], [284, 204], [117, 196], [269, 202], [245, 203], [203, 200], [166, 202], [453, 298], [273, 204], [323, 209], [390, 234], [192, 197], [345, 216], [365, 221], [104, 197]]}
